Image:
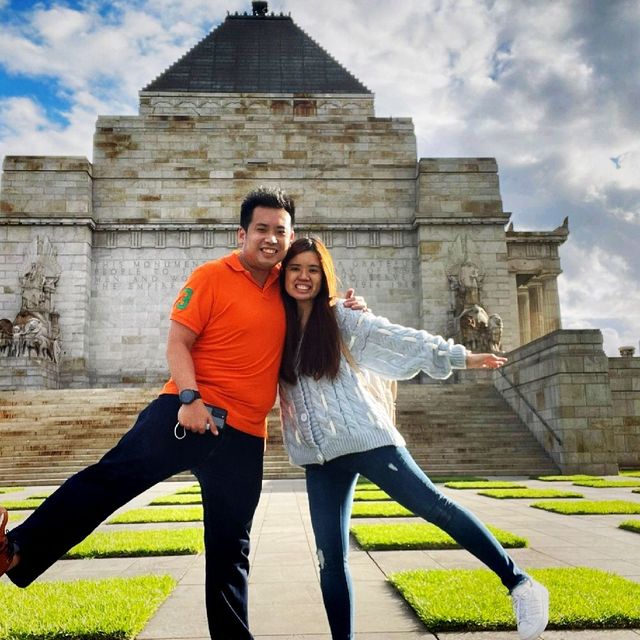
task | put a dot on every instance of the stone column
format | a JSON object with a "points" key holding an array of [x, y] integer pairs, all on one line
{"points": [[551, 302], [536, 307], [524, 315]]}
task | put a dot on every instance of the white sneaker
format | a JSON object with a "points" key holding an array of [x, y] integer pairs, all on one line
{"points": [[531, 606]]}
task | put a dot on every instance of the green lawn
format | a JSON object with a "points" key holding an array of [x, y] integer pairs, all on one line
{"points": [[115, 609], [10, 489], [189, 498], [370, 494], [566, 478], [194, 488], [503, 494], [117, 544], [607, 484], [589, 507], [422, 535], [386, 509], [475, 600], [630, 525], [22, 505], [632, 473], [158, 514], [487, 484]]}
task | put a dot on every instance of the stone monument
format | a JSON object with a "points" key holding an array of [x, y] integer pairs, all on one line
{"points": [[423, 239]]}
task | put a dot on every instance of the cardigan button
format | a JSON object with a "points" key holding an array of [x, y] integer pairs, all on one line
{"points": [[304, 417]]}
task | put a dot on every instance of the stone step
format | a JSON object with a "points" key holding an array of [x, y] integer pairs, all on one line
{"points": [[464, 428]]}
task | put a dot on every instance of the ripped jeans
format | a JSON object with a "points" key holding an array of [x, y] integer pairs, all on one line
{"points": [[330, 488]]}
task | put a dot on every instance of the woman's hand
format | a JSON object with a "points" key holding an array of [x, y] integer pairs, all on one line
{"points": [[484, 361], [357, 303]]}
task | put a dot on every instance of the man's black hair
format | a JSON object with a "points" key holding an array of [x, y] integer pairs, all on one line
{"points": [[265, 197]]}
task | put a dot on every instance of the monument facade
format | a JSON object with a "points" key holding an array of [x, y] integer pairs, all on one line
{"points": [[93, 252]]}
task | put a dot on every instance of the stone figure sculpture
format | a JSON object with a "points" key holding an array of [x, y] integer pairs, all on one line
{"points": [[35, 332], [470, 323]]}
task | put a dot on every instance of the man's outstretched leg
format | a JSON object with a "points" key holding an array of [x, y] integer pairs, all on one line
{"points": [[145, 455]]}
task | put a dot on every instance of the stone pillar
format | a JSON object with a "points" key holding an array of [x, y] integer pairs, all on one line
{"points": [[551, 302], [536, 308], [524, 315]]}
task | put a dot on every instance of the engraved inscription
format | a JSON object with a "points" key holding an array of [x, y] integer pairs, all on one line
{"points": [[142, 275], [376, 274]]}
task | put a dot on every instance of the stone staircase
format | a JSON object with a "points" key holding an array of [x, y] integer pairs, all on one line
{"points": [[451, 429]]}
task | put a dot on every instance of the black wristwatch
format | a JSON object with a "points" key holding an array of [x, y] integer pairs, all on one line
{"points": [[187, 396]]}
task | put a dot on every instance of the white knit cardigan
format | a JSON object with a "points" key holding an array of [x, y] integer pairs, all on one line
{"points": [[324, 419]]}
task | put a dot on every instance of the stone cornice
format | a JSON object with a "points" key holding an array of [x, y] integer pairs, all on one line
{"points": [[49, 222]]}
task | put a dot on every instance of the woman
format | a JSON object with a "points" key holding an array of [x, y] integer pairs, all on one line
{"points": [[336, 429]]}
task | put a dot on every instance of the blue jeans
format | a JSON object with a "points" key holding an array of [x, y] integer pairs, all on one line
{"points": [[229, 470], [330, 489]]}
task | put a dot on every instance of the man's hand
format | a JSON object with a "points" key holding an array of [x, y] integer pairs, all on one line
{"points": [[357, 303], [484, 361], [195, 417]]}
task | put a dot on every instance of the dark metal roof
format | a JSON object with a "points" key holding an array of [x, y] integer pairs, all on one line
{"points": [[257, 54]]}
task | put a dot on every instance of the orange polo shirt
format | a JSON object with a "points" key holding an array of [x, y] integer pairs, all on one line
{"points": [[240, 328]]}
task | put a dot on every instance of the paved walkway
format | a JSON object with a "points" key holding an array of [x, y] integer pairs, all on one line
{"points": [[285, 595]]}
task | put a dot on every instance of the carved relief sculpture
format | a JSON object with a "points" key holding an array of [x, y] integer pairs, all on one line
{"points": [[35, 331], [470, 324]]}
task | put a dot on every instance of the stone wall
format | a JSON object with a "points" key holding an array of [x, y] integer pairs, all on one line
{"points": [[182, 168], [624, 374], [564, 376]]}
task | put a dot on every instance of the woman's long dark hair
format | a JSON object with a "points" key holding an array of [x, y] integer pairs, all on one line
{"points": [[315, 353]]}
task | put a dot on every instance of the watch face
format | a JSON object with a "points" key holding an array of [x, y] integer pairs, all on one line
{"points": [[188, 396]]}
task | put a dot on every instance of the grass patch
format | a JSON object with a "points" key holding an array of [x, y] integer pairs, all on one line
{"points": [[10, 489], [630, 525], [486, 484], [423, 535], [387, 509], [190, 498], [138, 544], [503, 494], [20, 505], [158, 514], [475, 600], [194, 488], [114, 609], [445, 479], [566, 478], [589, 507], [365, 485], [371, 494], [40, 496], [630, 473], [607, 484]]}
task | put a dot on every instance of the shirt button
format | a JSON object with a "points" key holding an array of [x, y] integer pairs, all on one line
{"points": [[304, 417], [319, 457]]}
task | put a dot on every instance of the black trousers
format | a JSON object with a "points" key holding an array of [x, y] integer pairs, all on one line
{"points": [[229, 470]]}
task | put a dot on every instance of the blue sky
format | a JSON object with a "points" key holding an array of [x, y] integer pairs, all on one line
{"points": [[549, 88]]}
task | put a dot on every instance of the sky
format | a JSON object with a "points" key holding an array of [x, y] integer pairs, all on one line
{"points": [[550, 88]]}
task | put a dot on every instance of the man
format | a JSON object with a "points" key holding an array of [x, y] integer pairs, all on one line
{"points": [[224, 348]]}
